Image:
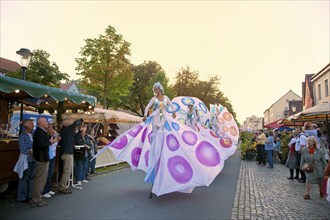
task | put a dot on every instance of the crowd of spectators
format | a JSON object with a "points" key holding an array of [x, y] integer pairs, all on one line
{"points": [[73, 147], [307, 144]]}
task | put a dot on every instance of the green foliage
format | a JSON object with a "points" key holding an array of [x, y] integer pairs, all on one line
{"points": [[188, 84], [42, 71], [145, 76], [105, 68], [246, 143], [285, 140]]}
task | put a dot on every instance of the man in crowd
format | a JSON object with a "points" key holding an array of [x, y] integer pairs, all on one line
{"points": [[66, 151], [261, 140], [41, 144]]}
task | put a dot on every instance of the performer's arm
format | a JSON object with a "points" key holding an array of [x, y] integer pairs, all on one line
{"points": [[146, 110], [170, 103]]}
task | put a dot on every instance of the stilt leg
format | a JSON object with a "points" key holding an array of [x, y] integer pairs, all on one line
{"points": [[150, 195]]}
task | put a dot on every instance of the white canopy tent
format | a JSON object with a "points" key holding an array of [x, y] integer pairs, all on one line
{"points": [[123, 120]]}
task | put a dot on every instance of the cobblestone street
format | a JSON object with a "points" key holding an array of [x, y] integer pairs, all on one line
{"points": [[264, 193]]}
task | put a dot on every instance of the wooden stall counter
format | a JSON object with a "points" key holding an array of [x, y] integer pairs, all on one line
{"points": [[9, 153]]}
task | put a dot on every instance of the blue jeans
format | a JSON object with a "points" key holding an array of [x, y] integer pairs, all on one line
{"points": [[25, 185], [80, 172], [92, 165], [86, 166], [48, 186], [270, 157]]}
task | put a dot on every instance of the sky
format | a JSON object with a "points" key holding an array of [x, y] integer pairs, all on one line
{"points": [[260, 50]]}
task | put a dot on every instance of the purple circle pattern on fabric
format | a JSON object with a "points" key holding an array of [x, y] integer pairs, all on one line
{"points": [[179, 169], [121, 143], [172, 142], [135, 156], [150, 136], [146, 157], [207, 155], [134, 132], [144, 134], [189, 138]]}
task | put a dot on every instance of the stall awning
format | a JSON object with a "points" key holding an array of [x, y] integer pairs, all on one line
{"points": [[101, 115], [42, 96], [278, 124]]}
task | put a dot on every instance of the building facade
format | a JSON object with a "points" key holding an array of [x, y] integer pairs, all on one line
{"points": [[71, 86], [321, 86], [281, 108], [252, 123], [307, 92], [7, 66]]}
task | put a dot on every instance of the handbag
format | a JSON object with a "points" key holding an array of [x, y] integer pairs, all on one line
{"points": [[307, 167]]}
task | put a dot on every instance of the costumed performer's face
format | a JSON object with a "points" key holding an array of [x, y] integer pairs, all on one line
{"points": [[157, 91]]}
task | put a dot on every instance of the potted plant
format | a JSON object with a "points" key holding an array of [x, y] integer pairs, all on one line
{"points": [[247, 146]]}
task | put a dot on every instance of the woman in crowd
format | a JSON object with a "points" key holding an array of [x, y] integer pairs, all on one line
{"points": [[81, 154], [93, 151], [323, 145], [313, 154], [291, 162]]}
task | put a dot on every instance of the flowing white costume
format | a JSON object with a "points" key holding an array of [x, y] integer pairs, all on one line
{"points": [[227, 136], [174, 156]]}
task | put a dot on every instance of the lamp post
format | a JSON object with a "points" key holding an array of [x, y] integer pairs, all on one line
{"points": [[25, 60]]}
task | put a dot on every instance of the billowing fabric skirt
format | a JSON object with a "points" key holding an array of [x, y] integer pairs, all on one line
{"points": [[174, 156]]}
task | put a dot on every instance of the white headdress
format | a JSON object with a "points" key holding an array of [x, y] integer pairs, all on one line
{"points": [[157, 85]]}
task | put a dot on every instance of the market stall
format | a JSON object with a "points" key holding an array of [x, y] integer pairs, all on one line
{"points": [[13, 92]]}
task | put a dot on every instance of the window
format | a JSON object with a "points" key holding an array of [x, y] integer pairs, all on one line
{"points": [[326, 88], [319, 91]]}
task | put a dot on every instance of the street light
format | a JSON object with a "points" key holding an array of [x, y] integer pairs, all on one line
{"points": [[25, 60]]}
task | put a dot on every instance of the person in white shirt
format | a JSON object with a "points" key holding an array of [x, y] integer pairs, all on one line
{"points": [[300, 144]]}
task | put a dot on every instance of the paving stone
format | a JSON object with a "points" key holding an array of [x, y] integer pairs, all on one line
{"points": [[264, 193]]}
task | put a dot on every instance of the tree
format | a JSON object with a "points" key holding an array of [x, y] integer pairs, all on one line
{"points": [[145, 76], [186, 81], [105, 68], [42, 71], [188, 84]]}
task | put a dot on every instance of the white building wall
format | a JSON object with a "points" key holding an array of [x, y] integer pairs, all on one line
{"points": [[320, 82], [276, 111]]}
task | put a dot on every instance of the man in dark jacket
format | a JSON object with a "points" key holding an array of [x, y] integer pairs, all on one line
{"points": [[66, 151], [41, 145]]}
